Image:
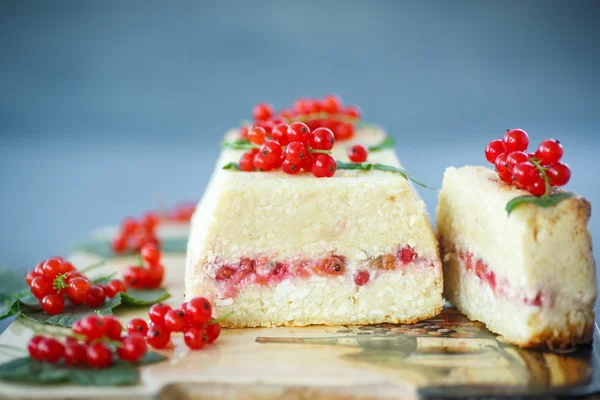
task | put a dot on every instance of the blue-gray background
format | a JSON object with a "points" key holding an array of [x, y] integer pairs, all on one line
{"points": [[107, 108]]}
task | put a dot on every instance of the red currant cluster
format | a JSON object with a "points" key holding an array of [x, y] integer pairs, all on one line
{"points": [[292, 148], [193, 318], [182, 212], [53, 280], [534, 172], [135, 234], [89, 344], [142, 277], [328, 112]]}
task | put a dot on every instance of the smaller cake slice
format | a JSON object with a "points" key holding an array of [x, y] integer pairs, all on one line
{"points": [[529, 276]]}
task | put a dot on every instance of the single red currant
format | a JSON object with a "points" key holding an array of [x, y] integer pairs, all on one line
{"points": [[322, 139], [197, 311], [137, 325], [247, 162], [149, 221], [150, 254], [52, 268], [156, 274], [33, 347], [136, 277], [559, 174], [549, 152], [514, 158], [53, 304], [175, 320], [129, 226], [116, 286], [244, 132], [91, 326], [262, 111], [133, 348], [119, 244], [525, 174], [537, 187], [157, 313], [308, 162], [50, 350], [261, 164], [299, 132], [501, 168], [302, 106], [96, 297], [361, 278], [352, 112], [29, 277], [331, 104], [279, 134], [98, 355], [72, 275], [112, 327], [37, 271], [78, 290], [295, 152], [515, 140], [41, 287], [289, 168], [324, 166], [493, 150], [257, 135], [270, 151], [75, 354], [195, 337], [343, 131], [358, 153], [212, 332], [158, 336]]}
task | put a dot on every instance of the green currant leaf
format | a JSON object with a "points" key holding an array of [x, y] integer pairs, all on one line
{"points": [[102, 247], [144, 297], [544, 201], [232, 165], [380, 167], [238, 144], [27, 370], [354, 166], [12, 286], [387, 143]]}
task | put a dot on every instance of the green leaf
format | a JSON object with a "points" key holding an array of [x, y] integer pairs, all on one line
{"points": [[30, 308], [27, 370], [102, 247], [238, 144], [146, 297], [9, 309], [387, 143], [12, 286], [232, 165], [380, 167], [354, 166], [545, 202]]}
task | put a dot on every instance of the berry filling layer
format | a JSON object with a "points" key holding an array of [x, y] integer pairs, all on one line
{"points": [[265, 271], [500, 287]]}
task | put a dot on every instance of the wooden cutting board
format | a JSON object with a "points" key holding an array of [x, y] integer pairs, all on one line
{"points": [[445, 357]]}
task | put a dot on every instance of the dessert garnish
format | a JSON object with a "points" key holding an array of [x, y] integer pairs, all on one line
{"points": [[538, 172]]}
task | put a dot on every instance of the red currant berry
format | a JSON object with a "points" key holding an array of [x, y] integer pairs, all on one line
{"points": [[119, 244], [195, 337], [175, 320], [41, 287], [298, 132], [549, 152], [514, 158], [358, 153], [98, 355], [343, 131], [158, 336], [150, 254], [156, 274], [525, 174], [137, 325], [537, 187], [244, 132], [515, 140], [224, 272], [37, 271], [133, 348], [53, 304], [129, 226], [136, 277], [324, 166], [29, 277], [33, 347], [279, 134], [308, 162], [247, 162], [112, 327], [50, 350], [322, 139], [75, 354], [302, 106], [559, 174], [157, 313], [262, 112], [72, 275], [149, 221], [331, 104], [352, 112], [198, 311], [361, 278], [117, 286], [270, 151], [78, 290], [257, 135], [501, 168], [52, 268], [289, 168], [92, 327], [212, 332], [295, 152], [493, 150], [261, 164], [96, 297]]}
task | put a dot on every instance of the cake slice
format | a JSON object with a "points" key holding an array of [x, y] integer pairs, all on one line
{"points": [[277, 249], [529, 276]]}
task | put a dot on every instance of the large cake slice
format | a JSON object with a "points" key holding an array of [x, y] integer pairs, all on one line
{"points": [[293, 250], [530, 275]]}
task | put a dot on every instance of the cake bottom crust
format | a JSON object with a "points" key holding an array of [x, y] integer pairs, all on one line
{"points": [[553, 327], [399, 297]]}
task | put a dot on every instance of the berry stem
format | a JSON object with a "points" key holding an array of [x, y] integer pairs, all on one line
{"points": [[542, 171], [221, 318], [320, 151], [239, 144], [59, 282], [92, 266]]}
